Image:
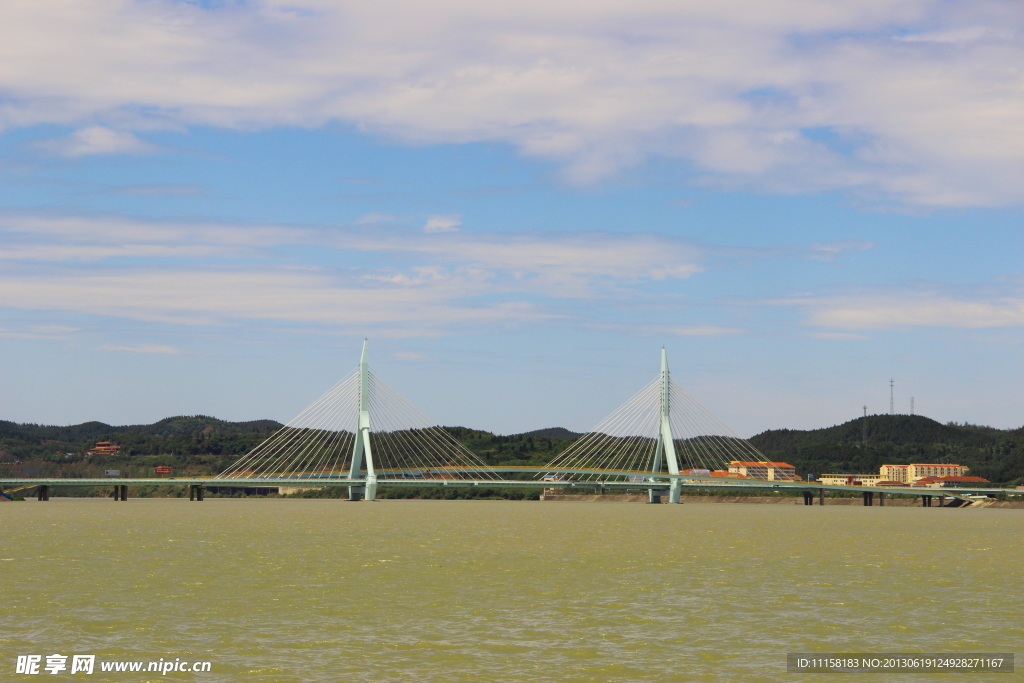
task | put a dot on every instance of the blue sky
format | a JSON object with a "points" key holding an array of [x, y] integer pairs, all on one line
{"points": [[205, 207]]}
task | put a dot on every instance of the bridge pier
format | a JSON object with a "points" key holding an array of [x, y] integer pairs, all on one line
{"points": [[653, 495], [926, 501], [881, 498], [674, 491], [43, 493], [356, 492], [808, 498], [121, 492], [869, 498], [195, 492], [821, 496]]}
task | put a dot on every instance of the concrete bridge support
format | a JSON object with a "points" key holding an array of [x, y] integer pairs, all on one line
{"points": [[869, 498], [653, 495], [43, 493], [808, 498], [195, 492], [361, 450], [821, 496], [881, 498], [926, 501]]}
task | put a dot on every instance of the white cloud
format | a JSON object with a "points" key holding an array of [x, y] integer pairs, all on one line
{"points": [[445, 223], [165, 190], [703, 331], [376, 218], [98, 140], [38, 332], [397, 279], [143, 348], [838, 335], [827, 251], [916, 100], [217, 297], [563, 264], [412, 356], [913, 309]]}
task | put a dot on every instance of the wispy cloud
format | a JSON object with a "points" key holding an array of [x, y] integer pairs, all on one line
{"points": [[911, 100], [156, 190], [907, 309], [828, 251], [143, 348], [447, 223], [376, 218], [97, 140], [702, 331], [413, 356], [38, 332], [842, 336], [399, 279]]}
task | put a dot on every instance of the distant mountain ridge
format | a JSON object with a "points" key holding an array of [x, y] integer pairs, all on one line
{"points": [[169, 426], [896, 429], [995, 454], [557, 433]]}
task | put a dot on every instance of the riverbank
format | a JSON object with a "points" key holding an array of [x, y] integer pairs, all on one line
{"points": [[768, 500]]}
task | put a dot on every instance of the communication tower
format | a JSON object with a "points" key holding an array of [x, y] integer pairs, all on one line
{"points": [[864, 423], [892, 405]]}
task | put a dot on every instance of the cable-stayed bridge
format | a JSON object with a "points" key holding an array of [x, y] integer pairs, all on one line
{"points": [[363, 435]]}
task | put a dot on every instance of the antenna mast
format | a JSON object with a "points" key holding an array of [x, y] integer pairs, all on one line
{"points": [[864, 423], [892, 405]]}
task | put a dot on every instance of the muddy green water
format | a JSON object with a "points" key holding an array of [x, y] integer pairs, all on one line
{"points": [[317, 590]]}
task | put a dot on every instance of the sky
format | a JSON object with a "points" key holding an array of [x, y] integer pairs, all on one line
{"points": [[205, 207]]}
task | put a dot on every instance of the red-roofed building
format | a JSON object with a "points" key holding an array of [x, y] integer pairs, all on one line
{"points": [[728, 475], [105, 448], [764, 469]]}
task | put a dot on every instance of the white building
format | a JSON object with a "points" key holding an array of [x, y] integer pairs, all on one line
{"points": [[908, 474], [850, 479]]}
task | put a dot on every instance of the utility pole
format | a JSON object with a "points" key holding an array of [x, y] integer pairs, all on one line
{"points": [[892, 405], [864, 423]]}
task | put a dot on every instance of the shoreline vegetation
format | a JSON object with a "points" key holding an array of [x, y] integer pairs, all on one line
{"points": [[203, 446]]}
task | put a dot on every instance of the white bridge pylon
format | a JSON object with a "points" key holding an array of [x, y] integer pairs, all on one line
{"points": [[361, 431], [660, 430]]}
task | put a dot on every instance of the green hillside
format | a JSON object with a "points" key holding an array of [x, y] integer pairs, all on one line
{"points": [[995, 454], [200, 444], [205, 445], [195, 443]]}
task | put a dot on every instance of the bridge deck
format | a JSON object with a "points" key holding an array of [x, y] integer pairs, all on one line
{"points": [[657, 482]]}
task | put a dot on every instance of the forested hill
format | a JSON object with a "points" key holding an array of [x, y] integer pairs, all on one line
{"points": [[204, 445], [169, 426], [195, 435], [995, 454]]}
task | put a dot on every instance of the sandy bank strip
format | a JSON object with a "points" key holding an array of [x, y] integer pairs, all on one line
{"points": [[768, 500]]}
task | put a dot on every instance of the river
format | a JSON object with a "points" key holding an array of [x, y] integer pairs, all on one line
{"points": [[395, 590]]}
